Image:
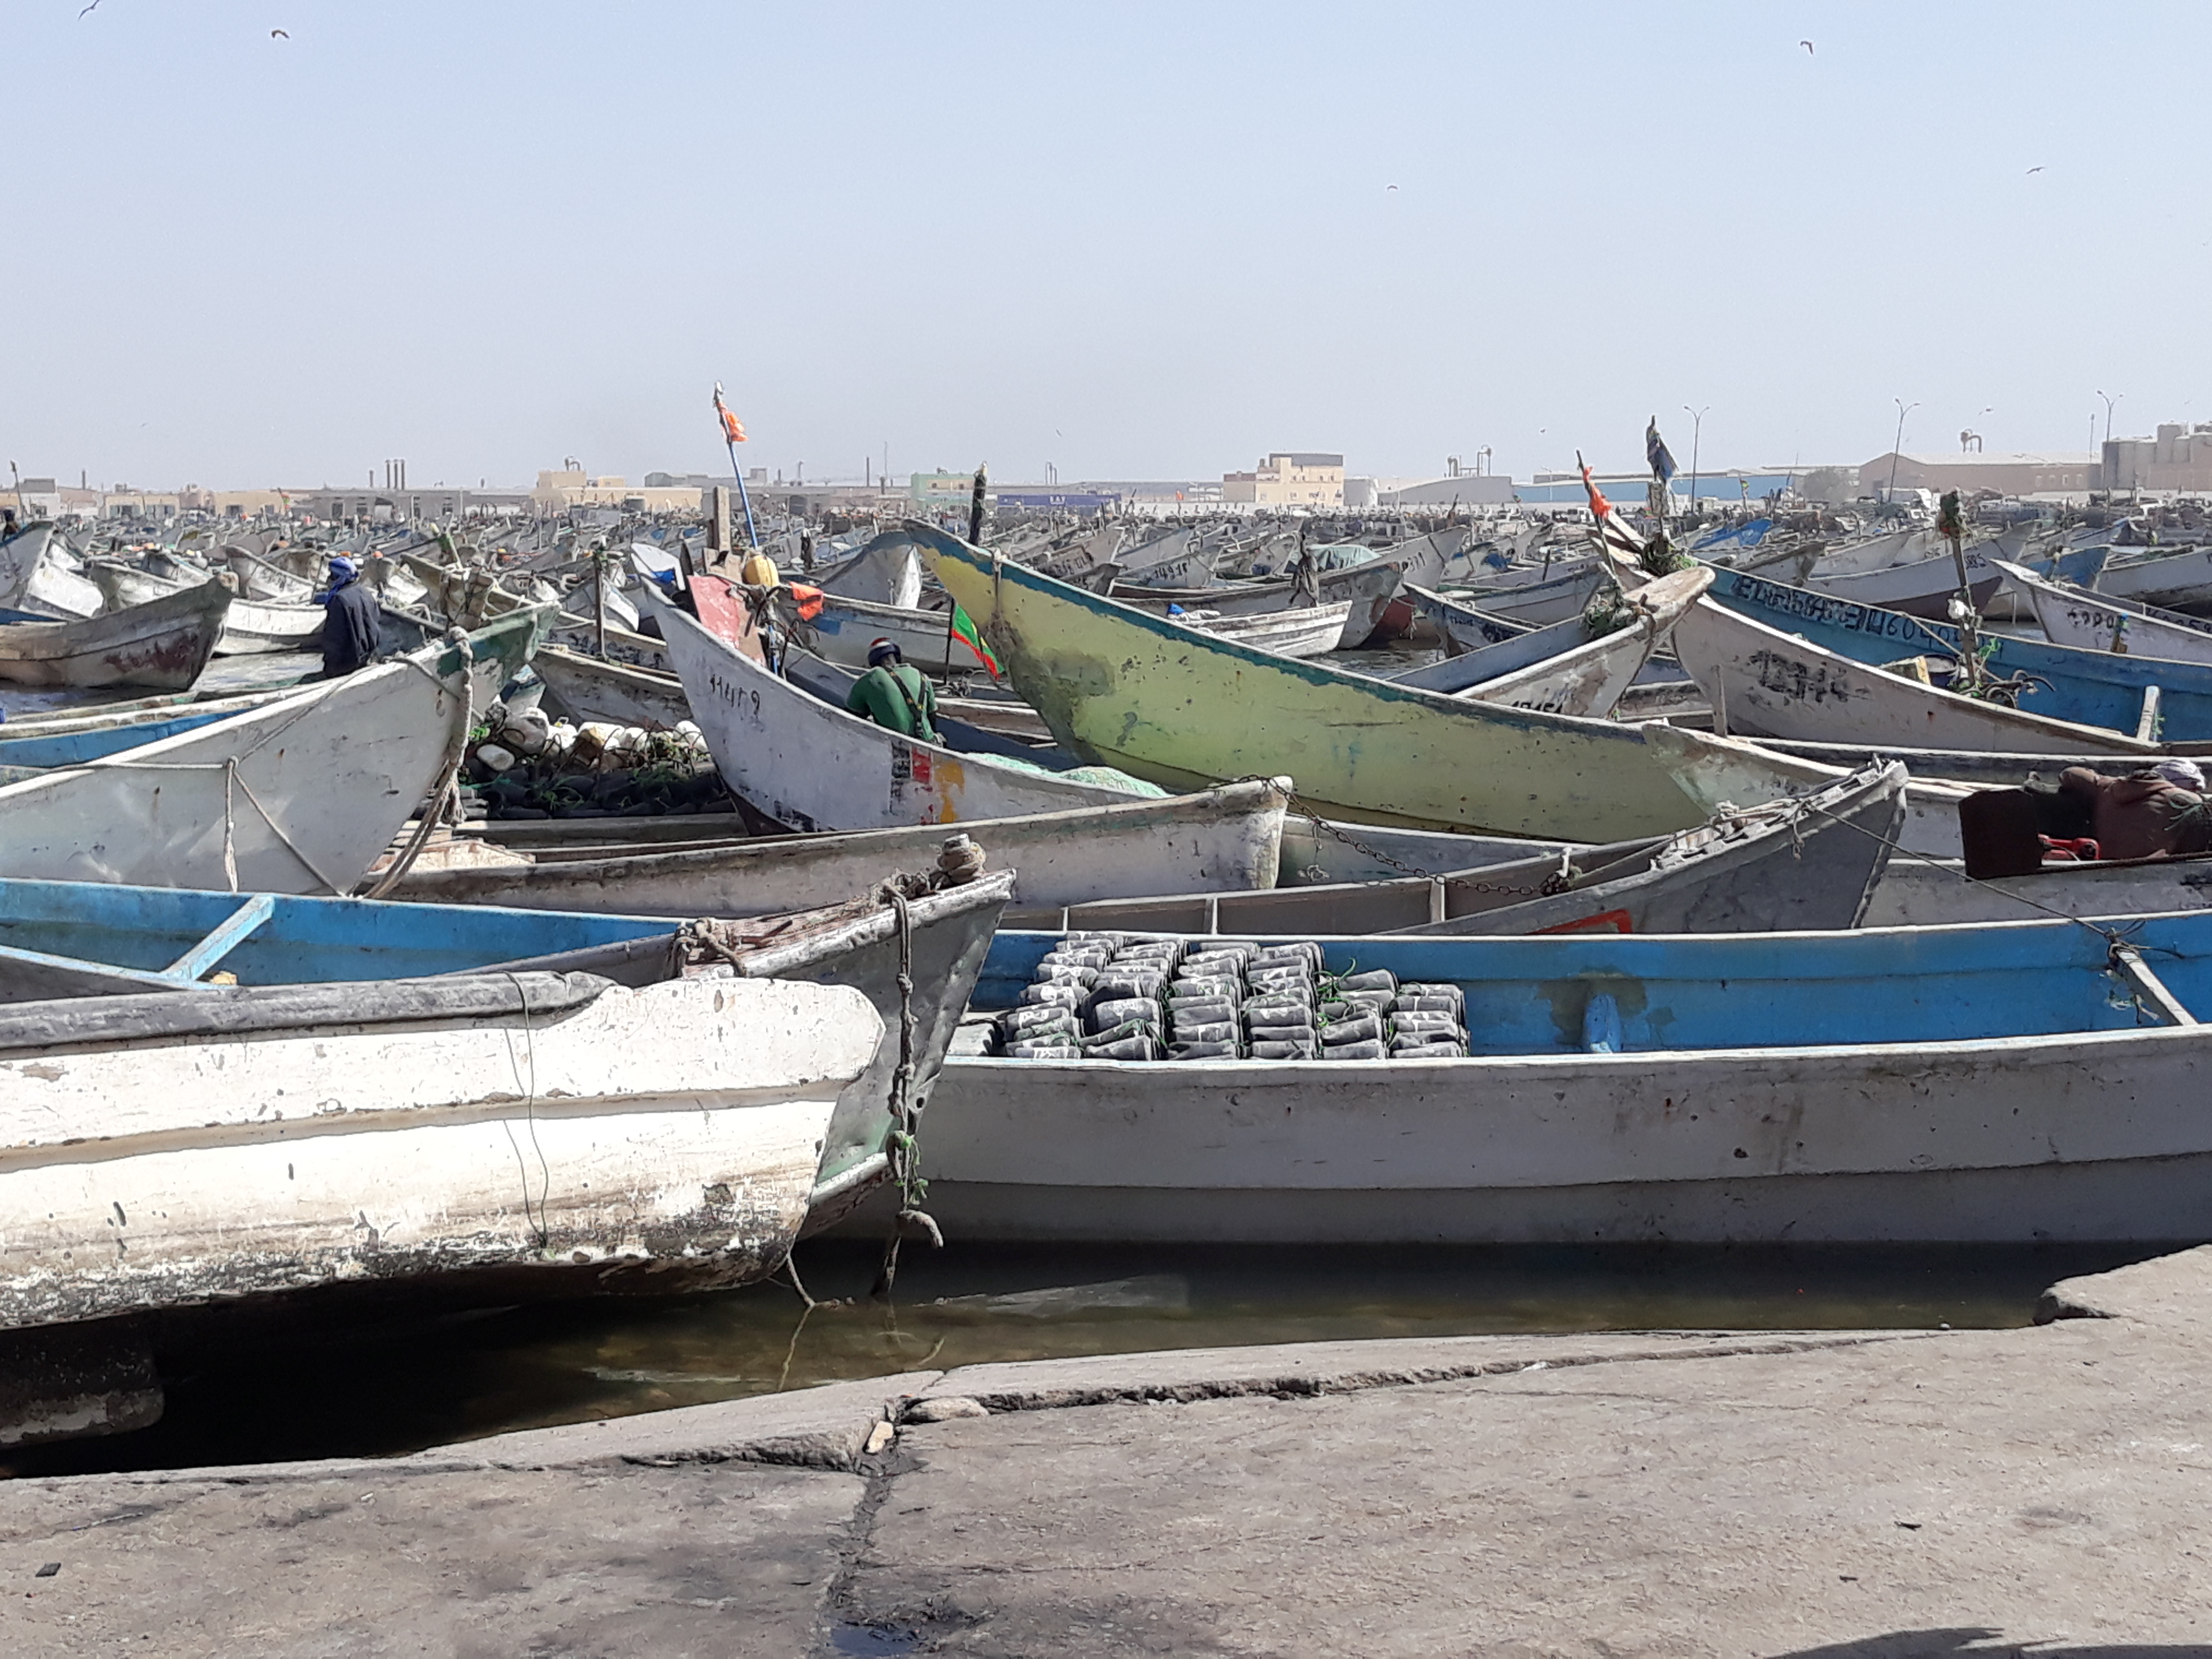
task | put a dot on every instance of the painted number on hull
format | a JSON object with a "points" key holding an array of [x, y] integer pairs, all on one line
{"points": [[744, 700]]}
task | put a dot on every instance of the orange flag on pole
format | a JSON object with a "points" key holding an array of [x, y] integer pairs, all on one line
{"points": [[733, 428]]}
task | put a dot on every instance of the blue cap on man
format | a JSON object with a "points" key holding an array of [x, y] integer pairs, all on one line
{"points": [[881, 652]]}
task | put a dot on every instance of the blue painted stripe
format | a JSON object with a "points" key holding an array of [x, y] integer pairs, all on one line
{"points": [[2091, 688], [1534, 996]]}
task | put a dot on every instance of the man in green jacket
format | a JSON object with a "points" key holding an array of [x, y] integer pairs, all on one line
{"points": [[894, 697]]}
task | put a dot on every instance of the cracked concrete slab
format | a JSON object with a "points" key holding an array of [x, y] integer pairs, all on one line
{"points": [[477, 1564], [1336, 1367], [1853, 1496]]}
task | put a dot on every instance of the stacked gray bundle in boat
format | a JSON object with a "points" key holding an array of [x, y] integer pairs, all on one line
{"points": [[1105, 996]]}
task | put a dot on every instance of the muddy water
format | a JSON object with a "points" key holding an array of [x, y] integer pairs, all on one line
{"points": [[397, 1387]]}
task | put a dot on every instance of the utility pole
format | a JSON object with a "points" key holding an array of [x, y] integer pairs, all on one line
{"points": [[1903, 408], [1697, 428]]}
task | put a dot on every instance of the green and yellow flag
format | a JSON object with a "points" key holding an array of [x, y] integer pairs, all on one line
{"points": [[965, 631]]}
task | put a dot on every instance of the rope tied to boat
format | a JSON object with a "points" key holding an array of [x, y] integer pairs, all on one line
{"points": [[2119, 939], [900, 1146], [1305, 809], [456, 749], [541, 1222]]}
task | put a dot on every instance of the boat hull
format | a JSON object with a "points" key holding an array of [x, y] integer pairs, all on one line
{"points": [[674, 1131], [1138, 693], [163, 644], [811, 767], [1226, 840]]}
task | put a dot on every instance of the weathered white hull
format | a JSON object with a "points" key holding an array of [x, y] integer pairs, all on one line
{"points": [[297, 796], [1924, 588], [887, 571], [2090, 621], [1717, 771], [163, 644], [2098, 1136], [1764, 682], [254, 626], [846, 627], [1538, 603], [669, 1133], [1590, 678], [592, 689], [812, 767], [1367, 589], [1915, 893], [1306, 633], [2183, 578], [1226, 840]]}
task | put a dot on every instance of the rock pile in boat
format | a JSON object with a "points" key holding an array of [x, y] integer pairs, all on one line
{"points": [[1117, 996]]}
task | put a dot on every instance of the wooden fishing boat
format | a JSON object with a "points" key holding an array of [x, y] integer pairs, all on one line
{"points": [[165, 643], [1926, 588], [1136, 692], [298, 796], [2174, 577], [486, 1137], [39, 578], [253, 626], [1465, 627], [1223, 840], [1803, 863], [1927, 891], [1369, 588], [1309, 631], [1421, 561], [1775, 684], [1560, 669], [1565, 593], [257, 579], [21, 555], [887, 571], [122, 583], [1717, 771], [2084, 688], [1836, 1086], [844, 629], [589, 688], [811, 767], [2097, 621], [69, 938]]}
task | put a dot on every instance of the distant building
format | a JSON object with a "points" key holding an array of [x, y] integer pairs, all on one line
{"points": [[1083, 503], [1288, 478], [944, 489], [2016, 473], [2179, 458], [560, 490], [1467, 489]]}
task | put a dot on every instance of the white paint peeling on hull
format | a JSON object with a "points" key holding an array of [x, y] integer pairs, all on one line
{"points": [[674, 1130]]}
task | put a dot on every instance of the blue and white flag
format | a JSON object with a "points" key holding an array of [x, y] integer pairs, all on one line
{"points": [[1655, 450]]}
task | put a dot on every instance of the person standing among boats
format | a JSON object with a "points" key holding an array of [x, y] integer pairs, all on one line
{"points": [[894, 695], [353, 627]]}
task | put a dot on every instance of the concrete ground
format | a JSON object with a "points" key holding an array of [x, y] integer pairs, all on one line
{"points": [[1877, 1496]]}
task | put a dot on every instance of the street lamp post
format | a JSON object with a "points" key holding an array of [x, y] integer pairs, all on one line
{"points": [[1903, 408], [1697, 427]]}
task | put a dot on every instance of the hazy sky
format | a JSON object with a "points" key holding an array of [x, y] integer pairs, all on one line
{"points": [[1131, 239]]}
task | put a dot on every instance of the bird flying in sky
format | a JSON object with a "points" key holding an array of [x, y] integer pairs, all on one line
{"points": [[1807, 44], [2035, 169], [273, 34]]}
